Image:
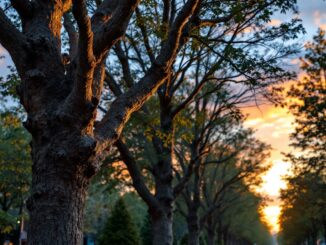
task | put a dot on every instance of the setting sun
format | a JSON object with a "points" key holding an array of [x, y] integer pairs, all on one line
{"points": [[271, 217], [272, 126], [273, 180]]}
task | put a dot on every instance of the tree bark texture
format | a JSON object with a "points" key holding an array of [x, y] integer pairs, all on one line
{"points": [[61, 100], [162, 228]]}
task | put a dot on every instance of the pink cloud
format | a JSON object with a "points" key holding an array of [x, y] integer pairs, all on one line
{"points": [[320, 19], [275, 22]]}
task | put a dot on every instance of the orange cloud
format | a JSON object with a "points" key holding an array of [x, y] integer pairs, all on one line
{"points": [[275, 22]]}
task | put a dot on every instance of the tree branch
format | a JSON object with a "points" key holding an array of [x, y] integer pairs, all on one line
{"points": [[107, 34], [125, 64], [81, 98], [110, 127], [12, 39], [72, 34], [23, 7], [136, 175]]}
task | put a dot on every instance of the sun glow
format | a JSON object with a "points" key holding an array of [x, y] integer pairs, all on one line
{"points": [[271, 186], [273, 126], [273, 180], [271, 216]]}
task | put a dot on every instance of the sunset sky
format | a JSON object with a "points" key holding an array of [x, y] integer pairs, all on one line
{"points": [[272, 125]]}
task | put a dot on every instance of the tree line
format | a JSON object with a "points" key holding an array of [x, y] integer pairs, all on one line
{"points": [[304, 200], [157, 86]]}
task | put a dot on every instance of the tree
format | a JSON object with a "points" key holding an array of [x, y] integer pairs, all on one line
{"points": [[304, 201], [218, 154], [232, 59], [146, 231], [303, 210], [120, 228], [61, 92], [309, 108], [15, 171], [61, 97]]}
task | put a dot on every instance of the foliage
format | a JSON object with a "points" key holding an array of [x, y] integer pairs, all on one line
{"points": [[304, 209], [309, 108], [304, 201], [120, 228], [15, 169], [146, 231], [104, 191]]}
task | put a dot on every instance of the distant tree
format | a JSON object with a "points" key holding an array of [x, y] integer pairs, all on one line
{"points": [[120, 228], [219, 154], [15, 171], [304, 201], [304, 210], [309, 109], [146, 231]]}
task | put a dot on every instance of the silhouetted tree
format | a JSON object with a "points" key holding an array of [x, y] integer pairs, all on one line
{"points": [[304, 201], [120, 228]]}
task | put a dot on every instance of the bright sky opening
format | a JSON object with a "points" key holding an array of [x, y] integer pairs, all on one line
{"points": [[273, 125]]}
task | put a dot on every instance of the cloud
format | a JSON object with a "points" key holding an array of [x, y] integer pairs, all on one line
{"points": [[275, 22], [253, 122], [320, 19], [3, 52]]}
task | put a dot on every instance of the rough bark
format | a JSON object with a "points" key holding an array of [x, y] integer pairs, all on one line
{"points": [[56, 207], [61, 173], [162, 227], [61, 100], [163, 176]]}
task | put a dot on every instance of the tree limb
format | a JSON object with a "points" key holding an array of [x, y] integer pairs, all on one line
{"points": [[72, 34], [81, 96], [112, 30], [136, 175], [110, 127], [23, 7], [12, 39]]}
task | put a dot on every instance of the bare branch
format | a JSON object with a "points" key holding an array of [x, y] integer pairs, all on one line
{"points": [[23, 7], [109, 129], [136, 175], [113, 29], [12, 39], [143, 31], [113, 85], [72, 34], [125, 64]]}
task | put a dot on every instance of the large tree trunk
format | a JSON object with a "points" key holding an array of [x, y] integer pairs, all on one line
{"points": [[60, 180]]}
